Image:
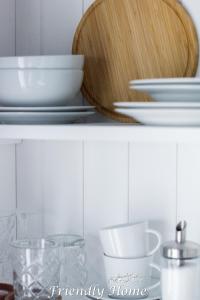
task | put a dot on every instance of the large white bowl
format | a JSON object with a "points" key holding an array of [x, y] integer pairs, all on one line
{"points": [[164, 116], [171, 92], [43, 62], [39, 87]]}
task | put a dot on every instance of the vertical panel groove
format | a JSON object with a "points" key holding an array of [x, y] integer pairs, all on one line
{"points": [[189, 188], [27, 27], [42, 154], [83, 7], [177, 186], [83, 185], [40, 28], [41, 31], [83, 10], [153, 185], [15, 29], [128, 183], [16, 188]]}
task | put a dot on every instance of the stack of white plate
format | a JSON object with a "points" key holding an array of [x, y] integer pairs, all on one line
{"points": [[176, 102], [41, 89]]}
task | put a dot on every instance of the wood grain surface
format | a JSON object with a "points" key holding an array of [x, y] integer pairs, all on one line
{"points": [[125, 40]]}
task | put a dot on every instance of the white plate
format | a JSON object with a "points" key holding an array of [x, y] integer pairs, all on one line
{"points": [[171, 93], [164, 117], [166, 81], [46, 109], [150, 105], [153, 295], [41, 117]]}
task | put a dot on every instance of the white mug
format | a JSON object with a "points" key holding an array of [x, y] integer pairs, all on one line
{"points": [[130, 277], [128, 240]]}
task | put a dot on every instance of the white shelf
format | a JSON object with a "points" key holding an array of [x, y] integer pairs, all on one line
{"points": [[101, 132]]}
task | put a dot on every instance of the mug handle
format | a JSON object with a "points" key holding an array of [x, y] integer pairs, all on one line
{"points": [[159, 237], [157, 284]]}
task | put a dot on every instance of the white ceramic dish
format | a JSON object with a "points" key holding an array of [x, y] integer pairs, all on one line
{"points": [[47, 109], [164, 117], [41, 117], [190, 80], [153, 295], [39, 87], [44, 62], [149, 105], [171, 93]]}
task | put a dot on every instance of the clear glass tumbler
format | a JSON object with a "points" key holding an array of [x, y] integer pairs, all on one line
{"points": [[7, 235], [73, 272], [36, 268]]}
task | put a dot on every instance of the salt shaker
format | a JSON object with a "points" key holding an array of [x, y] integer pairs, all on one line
{"points": [[180, 272]]}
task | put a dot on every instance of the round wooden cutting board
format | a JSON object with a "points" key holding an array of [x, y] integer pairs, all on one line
{"points": [[125, 40]]}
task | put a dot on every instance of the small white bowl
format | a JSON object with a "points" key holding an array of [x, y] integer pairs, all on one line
{"points": [[43, 62], [39, 87]]}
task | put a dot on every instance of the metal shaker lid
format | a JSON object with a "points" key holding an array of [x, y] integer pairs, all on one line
{"points": [[180, 248]]}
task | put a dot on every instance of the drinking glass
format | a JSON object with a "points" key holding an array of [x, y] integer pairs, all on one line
{"points": [[73, 272], [36, 268], [7, 235]]}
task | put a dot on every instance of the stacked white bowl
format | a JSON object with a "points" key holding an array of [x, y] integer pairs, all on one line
{"points": [[40, 80], [41, 89], [175, 102]]}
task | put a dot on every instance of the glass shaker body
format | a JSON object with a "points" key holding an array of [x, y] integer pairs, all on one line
{"points": [[180, 279]]}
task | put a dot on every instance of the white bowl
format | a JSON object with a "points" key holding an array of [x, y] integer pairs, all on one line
{"points": [[164, 116], [43, 62], [39, 87], [171, 92]]}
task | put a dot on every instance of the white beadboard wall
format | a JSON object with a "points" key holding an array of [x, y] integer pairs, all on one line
{"points": [[84, 185]]}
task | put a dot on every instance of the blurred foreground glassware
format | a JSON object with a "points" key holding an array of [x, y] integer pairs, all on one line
{"points": [[73, 273], [30, 225], [36, 268], [7, 235]]}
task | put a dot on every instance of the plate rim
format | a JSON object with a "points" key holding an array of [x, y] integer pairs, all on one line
{"points": [[165, 87], [158, 110], [46, 109], [46, 114], [177, 80], [152, 105], [160, 117]]}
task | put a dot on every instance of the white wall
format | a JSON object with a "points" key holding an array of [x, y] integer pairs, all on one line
{"points": [[82, 186]]}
